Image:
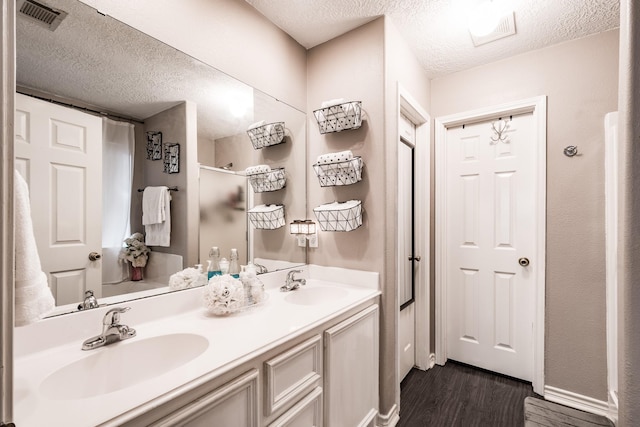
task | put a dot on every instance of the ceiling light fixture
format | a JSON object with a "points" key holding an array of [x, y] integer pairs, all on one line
{"points": [[483, 19], [484, 16]]}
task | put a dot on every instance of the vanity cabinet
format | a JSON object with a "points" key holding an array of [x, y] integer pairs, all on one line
{"points": [[351, 370], [325, 377], [233, 404]]}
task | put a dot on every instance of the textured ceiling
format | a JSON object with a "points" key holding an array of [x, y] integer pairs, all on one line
{"points": [[114, 68], [437, 32]]}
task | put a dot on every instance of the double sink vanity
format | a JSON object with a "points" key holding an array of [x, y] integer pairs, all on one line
{"points": [[304, 357]]}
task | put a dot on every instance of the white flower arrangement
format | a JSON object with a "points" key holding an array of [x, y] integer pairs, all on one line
{"points": [[187, 278], [223, 295], [135, 251]]}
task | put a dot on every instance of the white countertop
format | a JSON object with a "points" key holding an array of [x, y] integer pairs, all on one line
{"points": [[233, 340]]}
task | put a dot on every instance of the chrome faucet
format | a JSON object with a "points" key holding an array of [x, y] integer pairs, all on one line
{"points": [[292, 283], [89, 302], [260, 269], [112, 330]]}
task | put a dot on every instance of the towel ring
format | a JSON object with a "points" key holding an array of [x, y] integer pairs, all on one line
{"points": [[571, 150]]}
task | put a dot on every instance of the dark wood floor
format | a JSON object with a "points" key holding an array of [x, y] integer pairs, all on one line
{"points": [[459, 395]]}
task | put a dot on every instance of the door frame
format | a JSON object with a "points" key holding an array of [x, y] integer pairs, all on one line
{"points": [[7, 247], [538, 107], [412, 109]]}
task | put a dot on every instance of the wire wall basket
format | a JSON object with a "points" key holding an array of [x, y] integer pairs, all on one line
{"points": [[264, 182], [266, 135], [339, 117], [339, 173], [345, 216], [267, 217]]}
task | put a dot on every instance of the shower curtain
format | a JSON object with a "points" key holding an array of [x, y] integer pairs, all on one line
{"points": [[117, 176]]}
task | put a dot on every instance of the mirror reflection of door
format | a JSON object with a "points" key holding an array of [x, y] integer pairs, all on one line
{"points": [[406, 245], [59, 153]]}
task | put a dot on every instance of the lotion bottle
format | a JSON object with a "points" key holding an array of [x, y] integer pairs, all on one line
{"points": [[234, 266], [224, 266], [213, 265]]}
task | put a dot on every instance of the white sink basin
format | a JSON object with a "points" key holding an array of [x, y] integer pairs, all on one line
{"points": [[122, 365], [315, 295]]}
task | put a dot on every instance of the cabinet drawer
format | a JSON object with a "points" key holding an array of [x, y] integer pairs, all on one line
{"points": [[233, 404], [292, 374], [306, 413]]}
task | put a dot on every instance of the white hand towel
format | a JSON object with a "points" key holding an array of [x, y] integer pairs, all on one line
{"points": [[341, 156], [332, 102], [153, 209], [158, 233], [33, 298], [257, 124], [253, 170], [338, 206]]}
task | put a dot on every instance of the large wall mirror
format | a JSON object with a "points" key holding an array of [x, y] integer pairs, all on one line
{"points": [[103, 111]]}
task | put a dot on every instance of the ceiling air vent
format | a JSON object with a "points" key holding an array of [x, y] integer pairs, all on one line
{"points": [[506, 27], [41, 14]]}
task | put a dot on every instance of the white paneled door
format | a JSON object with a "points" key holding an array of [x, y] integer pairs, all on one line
{"points": [[491, 229], [59, 153]]}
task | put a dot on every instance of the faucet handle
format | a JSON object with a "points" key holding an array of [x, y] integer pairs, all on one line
{"points": [[292, 273], [112, 317]]}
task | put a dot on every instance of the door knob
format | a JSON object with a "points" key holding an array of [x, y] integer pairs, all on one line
{"points": [[415, 258], [524, 262], [94, 256]]}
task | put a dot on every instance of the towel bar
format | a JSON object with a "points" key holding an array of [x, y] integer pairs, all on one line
{"points": [[140, 190]]}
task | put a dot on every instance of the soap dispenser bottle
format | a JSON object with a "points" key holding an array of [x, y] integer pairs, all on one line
{"points": [[224, 266], [234, 266], [213, 264]]}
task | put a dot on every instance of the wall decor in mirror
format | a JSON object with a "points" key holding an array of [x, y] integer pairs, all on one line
{"points": [[96, 99]]}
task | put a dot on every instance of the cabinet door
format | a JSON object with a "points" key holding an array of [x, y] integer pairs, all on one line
{"points": [[351, 370], [234, 404]]}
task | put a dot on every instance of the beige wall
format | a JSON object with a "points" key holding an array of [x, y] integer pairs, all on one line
{"points": [[229, 35], [401, 68], [580, 81], [352, 67], [177, 124], [365, 64]]}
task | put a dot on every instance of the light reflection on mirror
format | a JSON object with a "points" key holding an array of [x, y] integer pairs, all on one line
{"points": [[95, 62]]}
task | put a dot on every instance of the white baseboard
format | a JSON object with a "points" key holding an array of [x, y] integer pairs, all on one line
{"points": [[613, 406], [370, 419], [576, 401], [390, 419]]}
